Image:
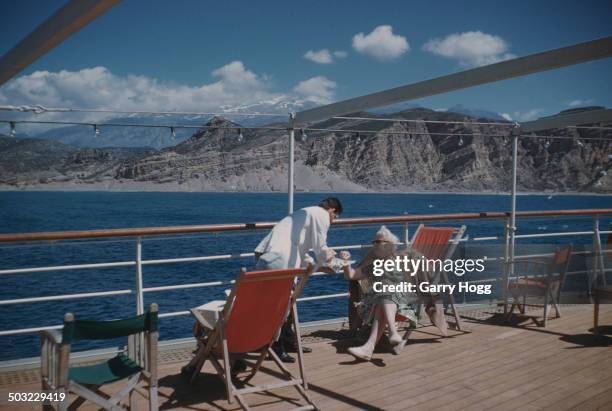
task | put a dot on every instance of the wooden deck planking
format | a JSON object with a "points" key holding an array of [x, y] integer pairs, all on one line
{"points": [[517, 376], [491, 367], [442, 373], [600, 401]]}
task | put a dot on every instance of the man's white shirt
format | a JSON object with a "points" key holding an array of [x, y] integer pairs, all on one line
{"points": [[293, 236]]}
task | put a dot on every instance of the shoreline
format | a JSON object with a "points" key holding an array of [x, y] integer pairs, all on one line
{"points": [[173, 189]]}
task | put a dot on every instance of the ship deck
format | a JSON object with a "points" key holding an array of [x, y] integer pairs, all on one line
{"points": [[490, 365]]}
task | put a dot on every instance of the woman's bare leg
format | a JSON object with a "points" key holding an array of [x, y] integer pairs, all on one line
{"points": [[389, 310], [378, 328]]}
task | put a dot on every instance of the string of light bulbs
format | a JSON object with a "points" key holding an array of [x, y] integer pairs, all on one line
{"points": [[303, 131]]}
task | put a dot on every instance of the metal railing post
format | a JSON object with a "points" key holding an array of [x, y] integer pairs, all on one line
{"points": [[291, 162], [139, 292], [516, 132], [598, 262], [406, 235], [505, 277]]}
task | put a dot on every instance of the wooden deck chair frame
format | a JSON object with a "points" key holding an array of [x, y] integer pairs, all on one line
{"points": [[456, 233], [215, 342], [549, 283], [140, 363]]}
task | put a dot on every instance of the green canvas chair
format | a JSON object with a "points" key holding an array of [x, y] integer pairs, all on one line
{"points": [[138, 364]]}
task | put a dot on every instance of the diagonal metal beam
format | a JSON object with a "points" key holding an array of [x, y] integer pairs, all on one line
{"points": [[534, 63], [566, 120], [66, 21]]}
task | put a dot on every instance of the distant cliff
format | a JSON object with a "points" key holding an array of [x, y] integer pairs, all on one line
{"points": [[422, 157], [31, 161]]}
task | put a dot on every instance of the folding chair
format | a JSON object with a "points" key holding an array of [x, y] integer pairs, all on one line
{"points": [[249, 323], [437, 243], [138, 364], [540, 278]]}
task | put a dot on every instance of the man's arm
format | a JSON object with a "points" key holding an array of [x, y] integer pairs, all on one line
{"points": [[263, 245]]}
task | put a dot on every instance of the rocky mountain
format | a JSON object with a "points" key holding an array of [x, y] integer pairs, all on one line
{"points": [[384, 156], [111, 136], [31, 161]]}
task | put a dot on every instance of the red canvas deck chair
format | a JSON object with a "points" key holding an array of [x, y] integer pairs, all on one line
{"points": [[437, 243], [249, 323]]}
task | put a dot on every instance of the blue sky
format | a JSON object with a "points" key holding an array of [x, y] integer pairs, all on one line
{"points": [[190, 55]]}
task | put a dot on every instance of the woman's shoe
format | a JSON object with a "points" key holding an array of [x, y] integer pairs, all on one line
{"points": [[361, 353], [395, 339], [399, 347]]}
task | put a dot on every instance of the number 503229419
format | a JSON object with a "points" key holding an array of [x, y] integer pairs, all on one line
{"points": [[36, 396]]}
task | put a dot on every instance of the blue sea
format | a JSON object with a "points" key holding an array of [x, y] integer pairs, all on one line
{"points": [[59, 211]]}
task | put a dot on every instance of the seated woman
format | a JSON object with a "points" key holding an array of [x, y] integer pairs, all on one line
{"points": [[380, 308]]}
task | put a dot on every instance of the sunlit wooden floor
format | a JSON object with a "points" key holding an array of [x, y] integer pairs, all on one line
{"points": [[492, 365]]}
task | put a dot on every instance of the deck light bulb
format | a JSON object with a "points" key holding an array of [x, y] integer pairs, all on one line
{"points": [[173, 133], [546, 144], [304, 136], [96, 130], [13, 131], [240, 137]]}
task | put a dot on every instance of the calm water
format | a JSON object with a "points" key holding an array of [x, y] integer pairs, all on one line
{"points": [[54, 211]]}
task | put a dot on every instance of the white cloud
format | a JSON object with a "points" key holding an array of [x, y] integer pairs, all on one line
{"points": [[319, 89], [472, 48], [324, 56], [576, 103], [98, 88], [506, 116], [235, 76], [319, 57], [381, 43], [233, 89], [527, 115]]}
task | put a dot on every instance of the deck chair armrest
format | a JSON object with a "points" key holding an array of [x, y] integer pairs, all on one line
{"points": [[201, 319], [54, 336], [553, 277]]}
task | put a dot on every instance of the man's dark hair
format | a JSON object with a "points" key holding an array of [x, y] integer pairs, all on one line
{"points": [[331, 202]]}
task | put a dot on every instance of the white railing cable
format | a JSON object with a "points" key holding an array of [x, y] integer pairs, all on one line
{"points": [[65, 297], [322, 297]]}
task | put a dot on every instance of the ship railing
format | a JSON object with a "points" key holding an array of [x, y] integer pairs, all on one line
{"points": [[405, 221]]}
